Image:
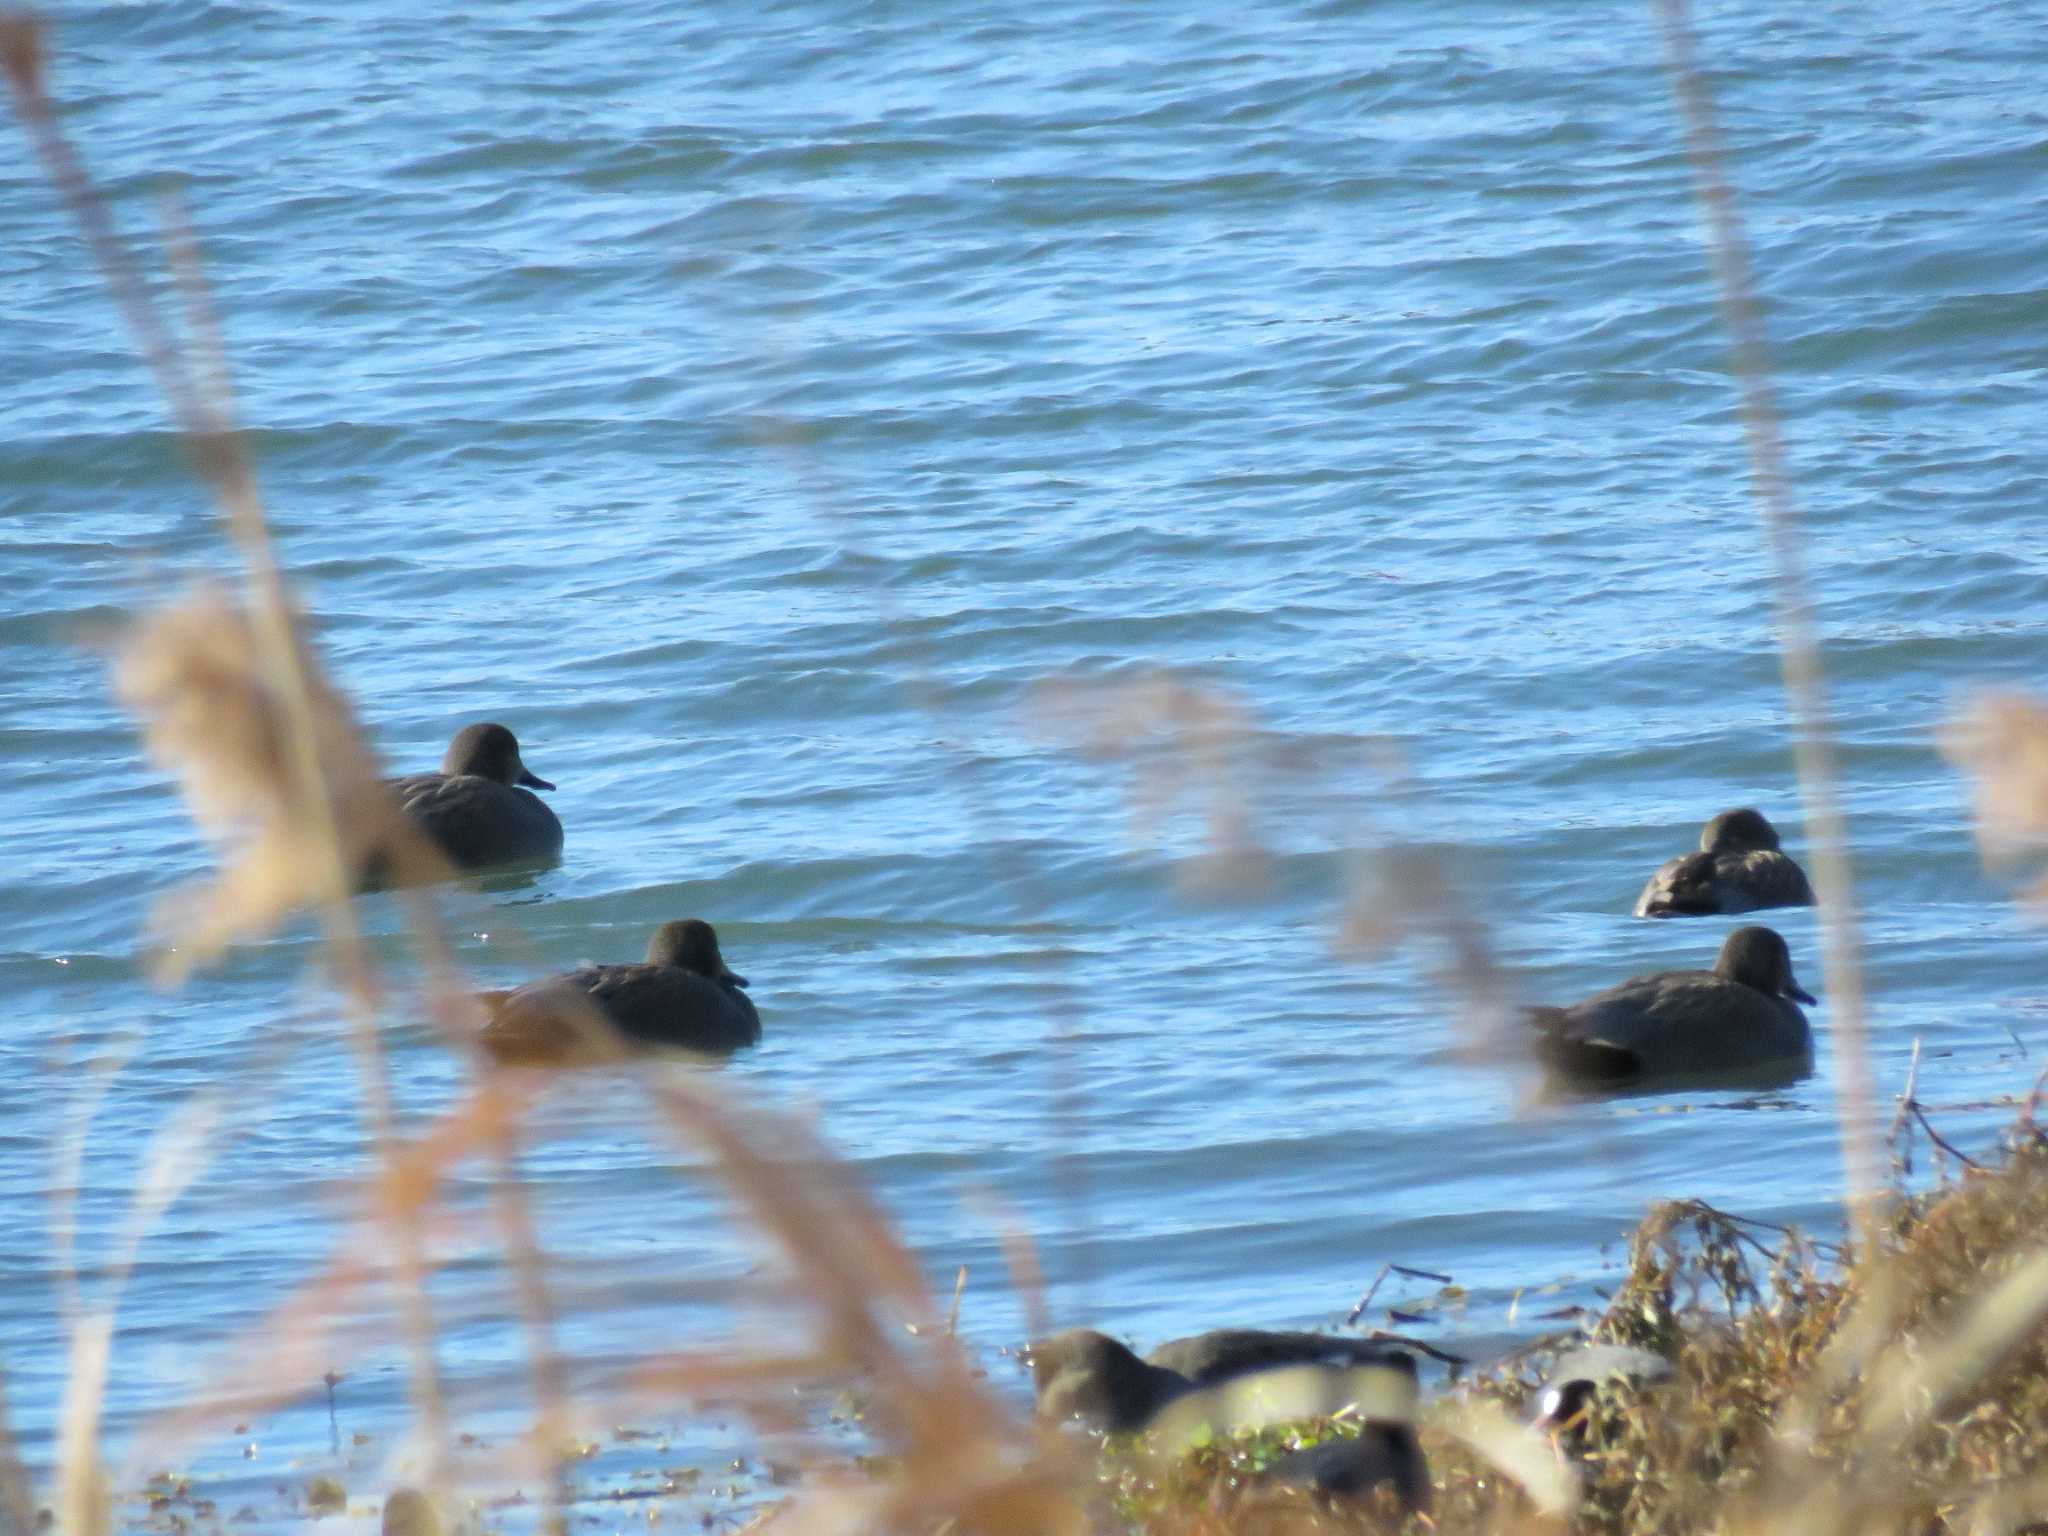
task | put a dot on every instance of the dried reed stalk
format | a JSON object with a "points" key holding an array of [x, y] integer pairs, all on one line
{"points": [[268, 748], [1799, 644], [266, 1366], [962, 1458], [1193, 745]]}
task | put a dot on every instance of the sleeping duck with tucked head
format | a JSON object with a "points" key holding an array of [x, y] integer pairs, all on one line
{"points": [[1739, 868]]}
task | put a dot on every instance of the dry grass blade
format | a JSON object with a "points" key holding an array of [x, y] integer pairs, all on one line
{"points": [[67, 1177], [238, 704], [1519, 1452], [960, 1454], [178, 1150], [1405, 894], [866, 1282], [279, 1360], [1190, 744], [549, 1435], [85, 1504], [284, 1356], [1923, 1383]]}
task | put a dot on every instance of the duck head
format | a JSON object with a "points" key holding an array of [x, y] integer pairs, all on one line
{"points": [[489, 751], [691, 944], [1757, 957], [1090, 1376], [1743, 831]]}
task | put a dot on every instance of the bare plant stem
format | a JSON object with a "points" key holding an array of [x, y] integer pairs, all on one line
{"points": [[1799, 646], [550, 1388], [1895, 1137]]}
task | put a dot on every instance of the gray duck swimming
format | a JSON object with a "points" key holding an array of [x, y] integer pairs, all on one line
{"points": [[683, 996], [1739, 868], [1089, 1375], [475, 809], [1739, 1020]]}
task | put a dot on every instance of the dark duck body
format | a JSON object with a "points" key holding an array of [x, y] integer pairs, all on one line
{"points": [[1739, 1021], [1222, 1353], [1381, 1456], [1089, 1375], [479, 810], [682, 997], [1739, 868], [1085, 1374]]}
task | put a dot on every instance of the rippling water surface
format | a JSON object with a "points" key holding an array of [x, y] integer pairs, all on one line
{"points": [[753, 405]]}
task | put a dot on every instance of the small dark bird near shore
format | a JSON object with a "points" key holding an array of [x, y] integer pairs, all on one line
{"points": [[683, 997], [1581, 1372], [1739, 868], [479, 810], [1737, 1022]]}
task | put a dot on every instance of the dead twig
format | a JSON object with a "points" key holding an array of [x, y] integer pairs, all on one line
{"points": [[1380, 1279], [1902, 1155], [1942, 1141], [1435, 1352]]}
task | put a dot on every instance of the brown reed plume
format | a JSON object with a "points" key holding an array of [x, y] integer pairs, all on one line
{"points": [[2001, 741], [1195, 748], [1191, 746], [193, 675]]}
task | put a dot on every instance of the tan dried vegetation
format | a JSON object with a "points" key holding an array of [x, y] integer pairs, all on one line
{"points": [[1900, 1388], [2001, 740]]}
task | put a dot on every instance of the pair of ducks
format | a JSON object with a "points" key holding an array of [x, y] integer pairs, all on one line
{"points": [[481, 813], [1739, 1022]]}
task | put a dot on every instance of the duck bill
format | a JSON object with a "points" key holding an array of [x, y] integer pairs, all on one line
{"points": [[735, 977], [1800, 994], [531, 779]]}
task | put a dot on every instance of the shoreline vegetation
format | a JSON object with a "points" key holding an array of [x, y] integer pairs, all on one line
{"points": [[1814, 1387], [1895, 1383]]}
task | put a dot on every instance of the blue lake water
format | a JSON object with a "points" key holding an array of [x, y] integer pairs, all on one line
{"points": [[755, 407]]}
